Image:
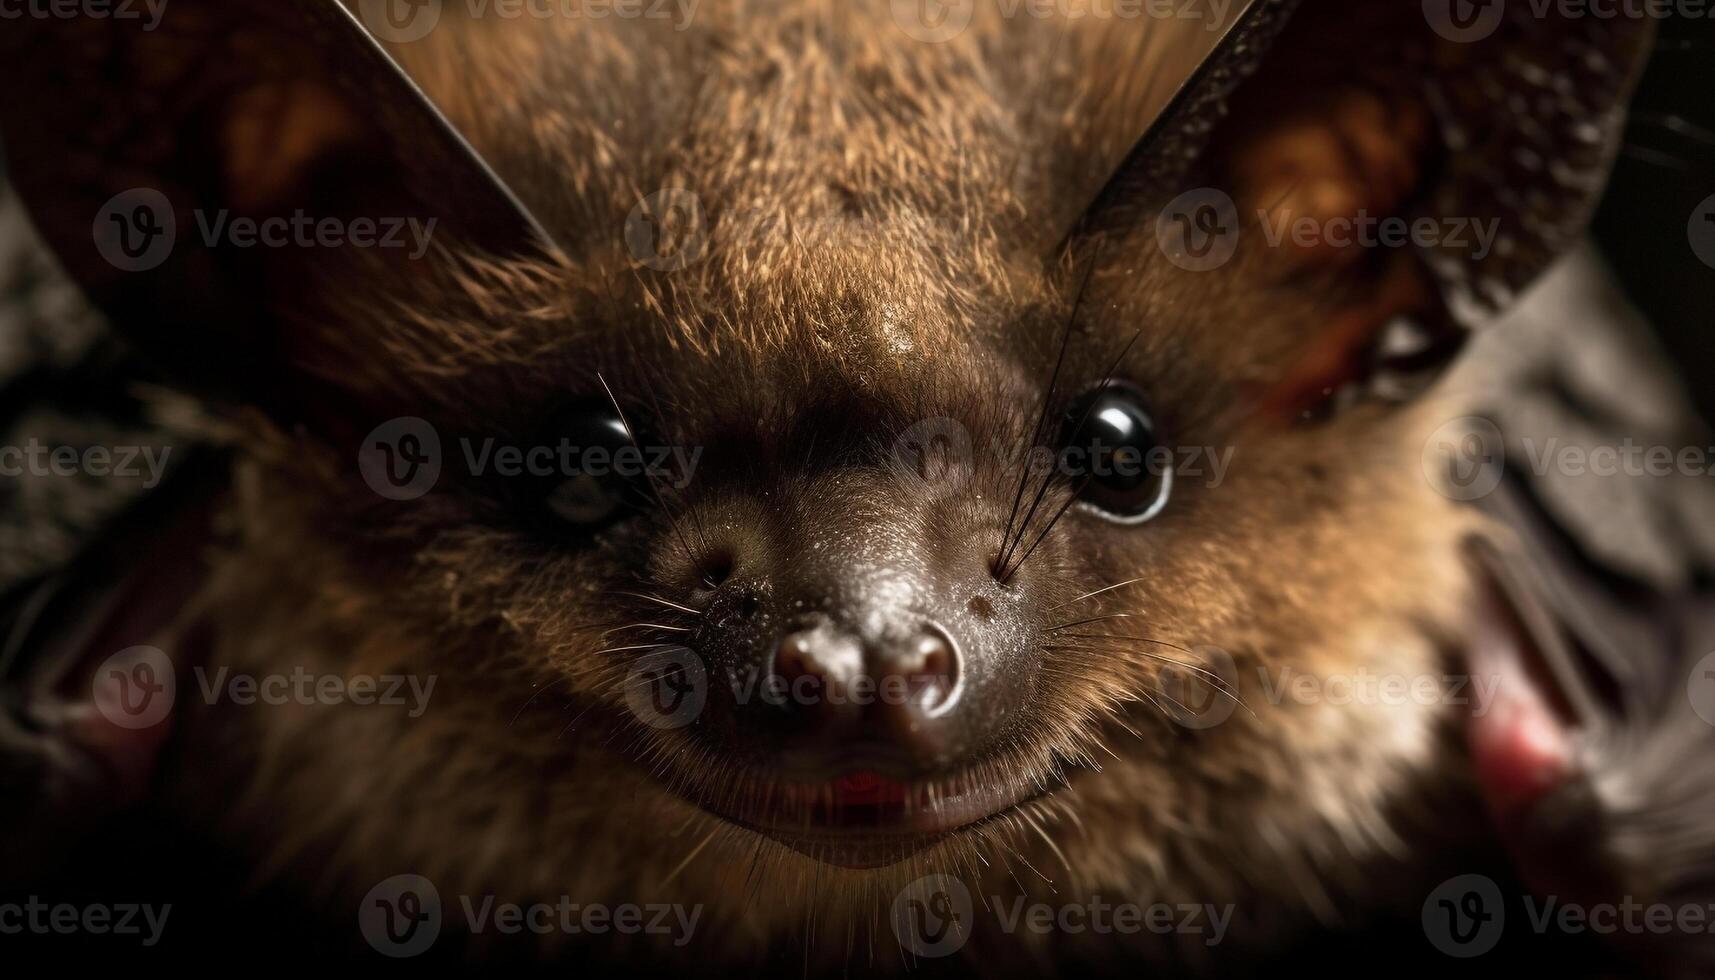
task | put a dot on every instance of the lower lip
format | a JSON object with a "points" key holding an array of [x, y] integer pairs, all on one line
{"points": [[865, 820]]}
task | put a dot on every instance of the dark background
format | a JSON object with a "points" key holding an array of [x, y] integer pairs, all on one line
{"points": [[1665, 169]]}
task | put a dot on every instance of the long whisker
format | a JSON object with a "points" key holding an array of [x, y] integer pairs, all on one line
{"points": [[654, 488], [656, 598], [1041, 420], [1107, 379], [1091, 595], [1094, 619]]}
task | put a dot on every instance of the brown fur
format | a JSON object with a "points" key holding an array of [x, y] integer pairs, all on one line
{"points": [[909, 168]]}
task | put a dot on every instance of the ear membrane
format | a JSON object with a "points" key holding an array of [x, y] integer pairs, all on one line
{"points": [[213, 180], [1413, 168]]}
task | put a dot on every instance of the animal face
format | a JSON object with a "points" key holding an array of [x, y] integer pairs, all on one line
{"points": [[980, 482]]}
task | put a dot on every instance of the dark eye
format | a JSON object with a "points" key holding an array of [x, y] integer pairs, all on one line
{"points": [[1110, 450], [586, 470]]}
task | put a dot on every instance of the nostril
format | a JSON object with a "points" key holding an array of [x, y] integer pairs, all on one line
{"points": [[715, 568], [793, 659], [930, 666]]}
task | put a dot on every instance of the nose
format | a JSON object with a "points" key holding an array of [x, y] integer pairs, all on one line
{"points": [[837, 685]]}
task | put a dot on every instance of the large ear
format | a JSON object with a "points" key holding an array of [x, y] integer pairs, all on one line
{"points": [[215, 171], [1480, 132]]}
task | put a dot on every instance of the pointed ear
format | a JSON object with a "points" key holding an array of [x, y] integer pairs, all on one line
{"points": [[1425, 160], [215, 178]]}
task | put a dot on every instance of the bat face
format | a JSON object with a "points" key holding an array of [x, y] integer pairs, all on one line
{"points": [[890, 468]]}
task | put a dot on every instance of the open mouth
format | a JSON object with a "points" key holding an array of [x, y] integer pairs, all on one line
{"points": [[863, 819]]}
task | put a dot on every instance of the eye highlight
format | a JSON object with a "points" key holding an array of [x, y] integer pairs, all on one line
{"points": [[593, 480], [1111, 451]]}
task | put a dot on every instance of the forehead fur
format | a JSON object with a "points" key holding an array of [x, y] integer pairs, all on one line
{"points": [[867, 196]]}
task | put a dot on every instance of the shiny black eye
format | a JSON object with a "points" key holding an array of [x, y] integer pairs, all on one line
{"points": [[1110, 450], [584, 469]]}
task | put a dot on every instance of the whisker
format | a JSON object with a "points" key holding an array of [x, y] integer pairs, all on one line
{"points": [[654, 488], [1094, 619], [1089, 595], [656, 598], [1041, 420], [1107, 379]]}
